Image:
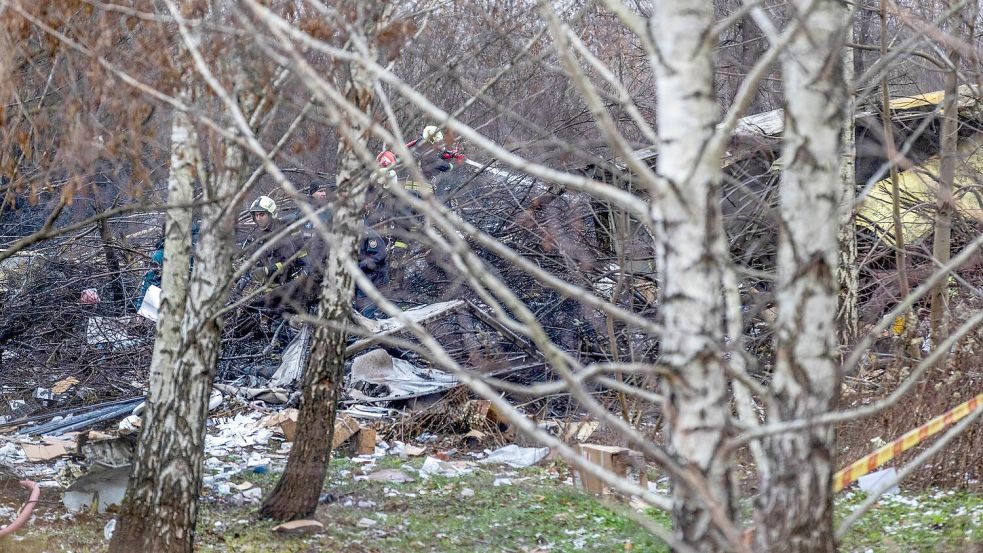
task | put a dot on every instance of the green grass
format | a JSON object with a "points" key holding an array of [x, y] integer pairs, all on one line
{"points": [[537, 511], [929, 522]]}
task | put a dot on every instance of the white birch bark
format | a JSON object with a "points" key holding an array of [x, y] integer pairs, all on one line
{"points": [[849, 271], [795, 504], [161, 508], [143, 492], [687, 214]]}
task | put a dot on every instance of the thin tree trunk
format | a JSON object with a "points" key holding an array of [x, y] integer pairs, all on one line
{"points": [[945, 204], [688, 222], [296, 493], [112, 262], [849, 272], [891, 151], [795, 507]]}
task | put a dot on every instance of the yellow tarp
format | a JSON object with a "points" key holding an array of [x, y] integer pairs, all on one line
{"points": [[918, 187]]}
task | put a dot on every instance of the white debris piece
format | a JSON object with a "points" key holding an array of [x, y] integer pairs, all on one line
{"points": [[107, 486], [393, 378], [874, 481], [417, 314], [109, 330], [12, 454], [432, 466], [215, 400], [292, 360], [516, 457], [257, 461], [150, 306], [242, 430], [107, 531]]}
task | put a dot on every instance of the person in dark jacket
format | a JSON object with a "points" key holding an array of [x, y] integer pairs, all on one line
{"points": [[373, 260], [281, 261], [314, 244]]}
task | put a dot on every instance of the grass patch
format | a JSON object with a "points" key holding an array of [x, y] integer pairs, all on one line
{"points": [[470, 513], [928, 522]]}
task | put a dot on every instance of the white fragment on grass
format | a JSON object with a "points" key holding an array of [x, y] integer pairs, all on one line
{"points": [[517, 457], [108, 530], [366, 522]]}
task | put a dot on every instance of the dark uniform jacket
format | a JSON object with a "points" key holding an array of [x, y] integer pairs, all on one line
{"points": [[314, 245], [373, 258], [283, 260]]}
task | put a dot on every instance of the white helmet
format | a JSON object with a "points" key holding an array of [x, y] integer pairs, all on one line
{"points": [[432, 134], [263, 204]]}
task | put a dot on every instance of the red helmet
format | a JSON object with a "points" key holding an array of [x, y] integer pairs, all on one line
{"points": [[385, 159]]}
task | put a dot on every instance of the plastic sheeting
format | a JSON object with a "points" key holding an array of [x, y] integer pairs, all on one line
{"points": [[377, 376]]}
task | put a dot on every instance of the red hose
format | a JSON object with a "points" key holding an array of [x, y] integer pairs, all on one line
{"points": [[25, 511]]}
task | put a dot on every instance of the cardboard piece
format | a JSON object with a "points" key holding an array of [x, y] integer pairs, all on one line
{"points": [[579, 431], [365, 441], [344, 428], [615, 459], [63, 385], [47, 451], [286, 420], [473, 438], [395, 476]]}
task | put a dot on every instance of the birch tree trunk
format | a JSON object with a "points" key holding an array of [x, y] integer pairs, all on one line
{"points": [[161, 508], [795, 508], [687, 215], [849, 272], [296, 493], [143, 492]]}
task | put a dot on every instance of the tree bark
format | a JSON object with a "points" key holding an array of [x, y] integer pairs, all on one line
{"points": [[688, 222], [140, 506], [795, 507], [891, 152], [849, 273], [296, 493], [160, 510], [944, 202], [112, 262]]}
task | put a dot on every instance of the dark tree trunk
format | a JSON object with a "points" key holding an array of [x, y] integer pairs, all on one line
{"points": [[112, 262], [297, 492]]}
